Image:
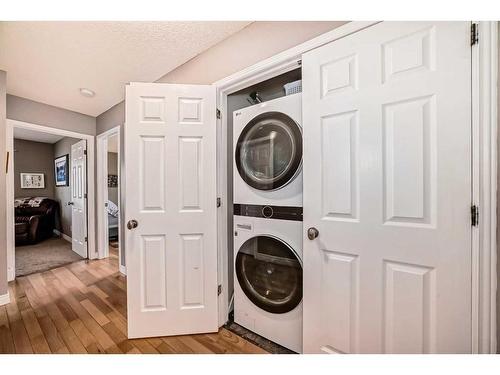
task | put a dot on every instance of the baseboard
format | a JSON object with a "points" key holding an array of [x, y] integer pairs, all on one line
{"points": [[64, 236], [4, 299], [11, 275], [123, 270], [67, 238]]}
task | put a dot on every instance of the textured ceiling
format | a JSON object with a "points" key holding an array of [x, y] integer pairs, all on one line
{"points": [[49, 61]]}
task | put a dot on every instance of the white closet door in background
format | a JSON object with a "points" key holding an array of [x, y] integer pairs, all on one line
{"points": [[387, 184], [170, 209], [79, 198]]}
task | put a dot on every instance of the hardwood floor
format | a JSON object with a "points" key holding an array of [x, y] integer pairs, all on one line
{"points": [[81, 308]]}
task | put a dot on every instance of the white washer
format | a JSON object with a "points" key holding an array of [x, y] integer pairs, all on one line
{"points": [[267, 153], [268, 278]]}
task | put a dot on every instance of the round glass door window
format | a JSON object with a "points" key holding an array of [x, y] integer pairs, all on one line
{"points": [[270, 274], [269, 151]]}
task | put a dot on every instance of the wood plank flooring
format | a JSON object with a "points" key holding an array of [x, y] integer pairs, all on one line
{"points": [[81, 308]]}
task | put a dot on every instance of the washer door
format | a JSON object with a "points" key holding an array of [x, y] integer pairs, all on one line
{"points": [[270, 274], [269, 151]]}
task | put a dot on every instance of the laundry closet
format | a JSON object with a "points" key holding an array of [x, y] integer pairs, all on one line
{"points": [[323, 196], [264, 127]]}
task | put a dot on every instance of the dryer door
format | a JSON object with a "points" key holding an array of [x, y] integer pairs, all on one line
{"points": [[270, 274], [269, 151]]}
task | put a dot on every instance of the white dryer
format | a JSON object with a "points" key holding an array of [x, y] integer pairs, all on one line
{"points": [[267, 146], [268, 278]]}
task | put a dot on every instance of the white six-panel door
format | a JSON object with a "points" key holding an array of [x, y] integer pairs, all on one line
{"points": [[170, 140], [387, 182], [78, 184]]}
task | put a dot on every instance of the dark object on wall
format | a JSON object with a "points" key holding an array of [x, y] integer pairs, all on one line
{"points": [[112, 180], [254, 98], [35, 224], [61, 170]]}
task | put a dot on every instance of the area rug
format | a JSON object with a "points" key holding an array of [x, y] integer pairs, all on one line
{"points": [[44, 256]]}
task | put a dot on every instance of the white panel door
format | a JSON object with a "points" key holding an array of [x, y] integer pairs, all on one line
{"points": [[387, 183], [79, 198], [170, 140]]}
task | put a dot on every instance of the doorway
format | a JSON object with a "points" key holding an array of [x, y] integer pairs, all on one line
{"points": [[49, 205], [108, 196]]}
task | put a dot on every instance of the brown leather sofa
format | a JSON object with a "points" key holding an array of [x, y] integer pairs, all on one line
{"points": [[35, 224]]}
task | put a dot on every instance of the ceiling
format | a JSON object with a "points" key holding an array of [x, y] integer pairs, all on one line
{"points": [[50, 61], [33, 135]]}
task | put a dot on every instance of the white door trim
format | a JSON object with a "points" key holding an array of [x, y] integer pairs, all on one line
{"points": [[484, 94], [101, 172], [11, 124], [484, 189], [101, 186]]}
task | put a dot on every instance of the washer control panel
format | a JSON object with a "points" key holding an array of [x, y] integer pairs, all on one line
{"points": [[268, 211]]}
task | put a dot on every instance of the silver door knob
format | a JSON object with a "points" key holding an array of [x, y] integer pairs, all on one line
{"points": [[132, 224], [312, 233]]}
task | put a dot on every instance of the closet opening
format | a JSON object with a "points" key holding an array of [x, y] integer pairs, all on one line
{"points": [[264, 211]]}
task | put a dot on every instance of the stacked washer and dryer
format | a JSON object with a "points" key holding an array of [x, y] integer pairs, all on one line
{"points": [[267, 189]]}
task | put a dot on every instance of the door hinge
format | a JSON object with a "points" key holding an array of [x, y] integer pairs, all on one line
{"points": [[217, 111], [86, 239], [219, 289], [474, 213], [474, 34], [84, 152], [85, 195], [218, 202]]}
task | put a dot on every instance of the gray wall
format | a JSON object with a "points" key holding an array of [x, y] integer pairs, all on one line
{"points": [[113, 169], [63, 193], [33, 157], [3, 184], [115, 116], [26, 110]]}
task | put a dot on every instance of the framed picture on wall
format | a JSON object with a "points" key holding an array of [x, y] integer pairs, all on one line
{"points": [[32, 181], [61, 170]]}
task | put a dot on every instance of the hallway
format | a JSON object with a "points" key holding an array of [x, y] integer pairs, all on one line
{"points": [[81, 308]]}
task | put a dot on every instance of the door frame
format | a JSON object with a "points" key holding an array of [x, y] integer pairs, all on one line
{"points": [[10, 125], [102, 193], [484, 166], [484, 187]]}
